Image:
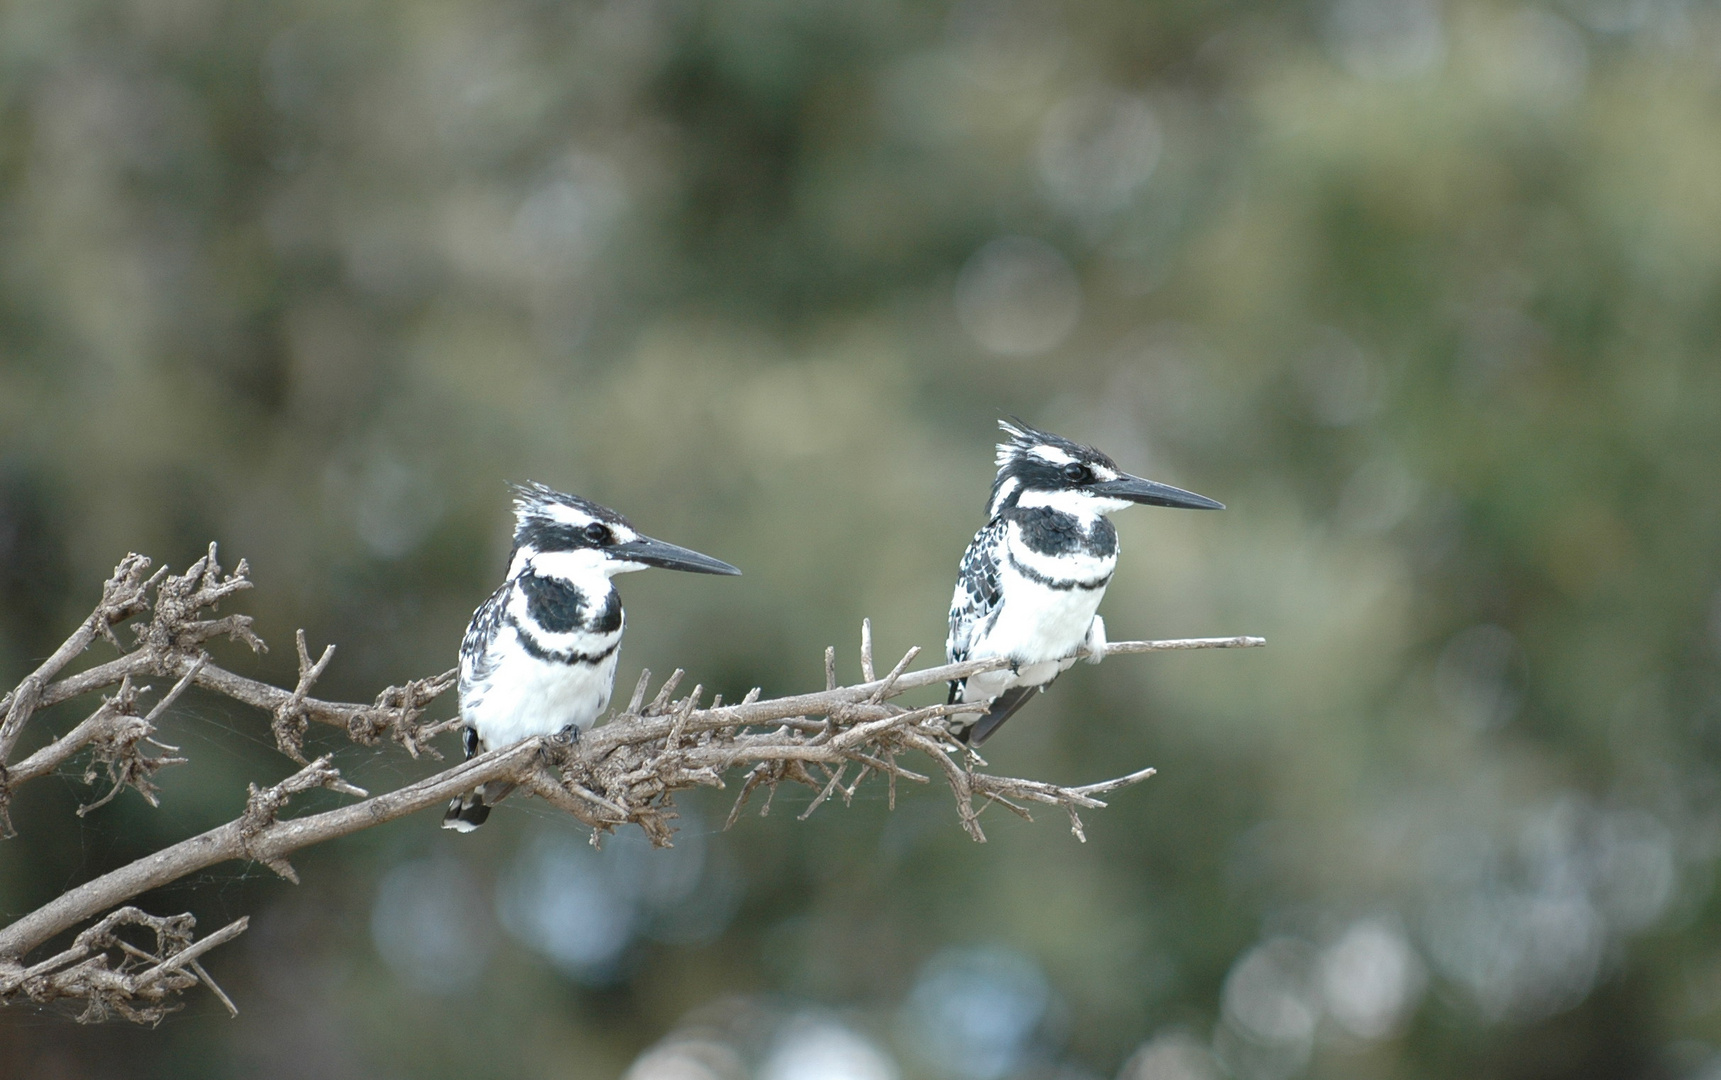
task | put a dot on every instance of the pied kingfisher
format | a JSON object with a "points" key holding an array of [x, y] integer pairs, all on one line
{"points": [[1030, 583], [539, 656]]}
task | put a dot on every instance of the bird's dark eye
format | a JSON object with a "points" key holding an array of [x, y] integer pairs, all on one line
{"points": [[598, 533], [1077, 473]]}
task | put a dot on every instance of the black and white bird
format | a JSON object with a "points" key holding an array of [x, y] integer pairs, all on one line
{"points": [[539, 656], [1030, 584]]}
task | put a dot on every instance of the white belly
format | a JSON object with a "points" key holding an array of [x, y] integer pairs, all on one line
{"points": [[1037, 627], [1036, 624], [525, 697]]}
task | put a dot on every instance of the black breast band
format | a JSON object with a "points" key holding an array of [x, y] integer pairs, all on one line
{"points": [[1064, 584], [536, 650]]}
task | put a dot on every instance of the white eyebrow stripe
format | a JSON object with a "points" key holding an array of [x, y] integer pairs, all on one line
{"points": [[567, 515], [1052, 454]]}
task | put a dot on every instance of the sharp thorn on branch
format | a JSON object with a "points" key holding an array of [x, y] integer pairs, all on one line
{"points": [[665, 693], [639, 688]]}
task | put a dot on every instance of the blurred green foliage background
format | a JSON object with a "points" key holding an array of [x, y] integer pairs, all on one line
{"points": [[1426, 291]]}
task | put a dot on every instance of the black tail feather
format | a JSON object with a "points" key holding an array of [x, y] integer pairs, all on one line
{"points": [[467, 812], [1004, 706]]}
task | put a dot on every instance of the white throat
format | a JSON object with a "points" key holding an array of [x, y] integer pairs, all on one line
{"points": [[581, 566], [1077, 504]]}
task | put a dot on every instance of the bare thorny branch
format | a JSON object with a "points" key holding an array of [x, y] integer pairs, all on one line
{"points": [[625, 772]]}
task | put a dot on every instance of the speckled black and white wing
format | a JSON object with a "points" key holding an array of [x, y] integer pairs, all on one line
{"points": [[477, 660], [977, 597], [477, 666]]}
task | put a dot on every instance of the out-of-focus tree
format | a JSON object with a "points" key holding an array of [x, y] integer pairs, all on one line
{"points": [[1424, 291]]}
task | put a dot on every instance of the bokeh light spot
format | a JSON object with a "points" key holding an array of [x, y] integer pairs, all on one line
{"points": [[1018, 297]]}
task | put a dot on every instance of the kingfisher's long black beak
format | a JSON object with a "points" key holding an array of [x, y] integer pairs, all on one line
{"points": [[1152, 493], [669, 557]]}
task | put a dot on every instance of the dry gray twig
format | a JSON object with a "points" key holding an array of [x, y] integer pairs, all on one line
{"points": [[625, 772]]}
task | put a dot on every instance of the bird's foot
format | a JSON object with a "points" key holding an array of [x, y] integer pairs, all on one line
{"points": [[1096, 641], [558, 748]]}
